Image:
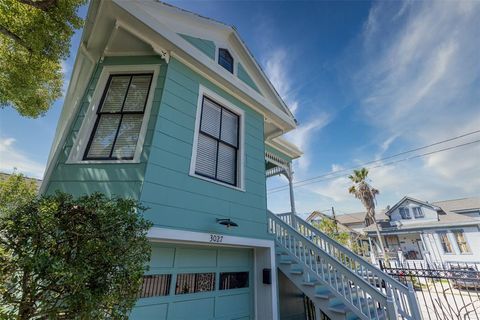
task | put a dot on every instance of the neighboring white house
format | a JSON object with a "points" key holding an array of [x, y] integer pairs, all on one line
{"points": [[437, 232]]}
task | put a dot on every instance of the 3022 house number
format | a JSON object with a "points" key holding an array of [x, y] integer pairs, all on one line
{"points": [[216, 238]]}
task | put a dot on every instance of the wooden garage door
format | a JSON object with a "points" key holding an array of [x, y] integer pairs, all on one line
{"points": [[197, 282]]}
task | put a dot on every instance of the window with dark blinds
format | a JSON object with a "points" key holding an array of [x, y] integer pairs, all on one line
{"points": [[225, 59], [217, 145], [119, 118]]}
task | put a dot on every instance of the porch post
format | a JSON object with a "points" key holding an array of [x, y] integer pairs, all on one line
{"points": [[290, 185]]}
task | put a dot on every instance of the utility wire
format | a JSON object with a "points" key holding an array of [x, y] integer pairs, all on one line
{"points": [[382, 159], [309, 181]]}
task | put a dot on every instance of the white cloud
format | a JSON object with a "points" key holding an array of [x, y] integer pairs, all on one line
{"points": [[419, 84], [66, 68], [11, 158], [277, 69], [303, 136]]}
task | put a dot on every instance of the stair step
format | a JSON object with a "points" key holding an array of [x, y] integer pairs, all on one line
{"points": [[296, 271], [285, 261], [339, 308], [310, 283]]}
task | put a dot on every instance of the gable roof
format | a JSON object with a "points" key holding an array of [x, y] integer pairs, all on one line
{"points": [[359, 217], [444, 220], [459, 205], [170, 21], [407, 198], [449, 219]]}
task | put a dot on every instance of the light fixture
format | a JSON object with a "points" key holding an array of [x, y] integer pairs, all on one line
{"points": [[227, 222]]}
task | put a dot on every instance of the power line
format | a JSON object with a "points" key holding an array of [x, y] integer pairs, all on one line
{"points": [[308, 181], [382, 159]]}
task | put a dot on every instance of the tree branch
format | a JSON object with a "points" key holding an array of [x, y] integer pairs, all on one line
{"points": [[14, 37], [44, 5]]}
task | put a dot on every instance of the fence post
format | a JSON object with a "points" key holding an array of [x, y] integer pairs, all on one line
{"points": [[413, 302], [391, 308]]}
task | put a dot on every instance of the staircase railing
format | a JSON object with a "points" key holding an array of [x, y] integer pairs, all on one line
{"points": [[404, 303]]}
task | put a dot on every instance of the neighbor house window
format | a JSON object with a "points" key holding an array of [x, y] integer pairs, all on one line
{"points": [[405, 213], [461, 241], [445, 241], [225, 59], [195, 282], [218, 143], [233, 280], [119, 118], [392, 241], [418, 212]]}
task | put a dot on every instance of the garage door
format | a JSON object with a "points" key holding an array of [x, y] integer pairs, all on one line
{"points": [[197, 282]]}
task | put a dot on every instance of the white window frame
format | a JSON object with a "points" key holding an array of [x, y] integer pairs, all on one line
{"points": [[81, 142], [418, 209], [204, 92], [234, 57], [469, 252], [449, 238], [402, 216]]}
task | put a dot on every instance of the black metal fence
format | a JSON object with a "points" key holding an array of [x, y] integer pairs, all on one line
{"points": [[447, 291]]}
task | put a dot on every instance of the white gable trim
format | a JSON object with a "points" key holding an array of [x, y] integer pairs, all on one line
{"points": [[399, 203], [280, 111]]}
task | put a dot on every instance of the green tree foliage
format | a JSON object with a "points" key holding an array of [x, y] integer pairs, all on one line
{"points": [[328, 227], [67, 258], [15, 190], [34, 39]]}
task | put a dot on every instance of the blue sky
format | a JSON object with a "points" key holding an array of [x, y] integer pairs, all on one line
{"points": [[365, 80]]}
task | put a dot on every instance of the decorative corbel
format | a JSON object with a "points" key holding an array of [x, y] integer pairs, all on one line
{"points": [[162, 53]]}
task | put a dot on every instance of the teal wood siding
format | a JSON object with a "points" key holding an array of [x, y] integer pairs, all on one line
{"points": [[178, 200], [217, 304], [243, 75], [122, 179], [206, 46]]}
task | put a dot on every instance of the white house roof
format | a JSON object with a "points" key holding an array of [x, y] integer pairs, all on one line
{"points": [[446, 217], [406, 198], [169, 22], [359, 217], [459, 205]]}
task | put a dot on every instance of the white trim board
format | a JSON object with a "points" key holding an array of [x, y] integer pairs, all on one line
{"points": [[204, 92], [158, 234]]}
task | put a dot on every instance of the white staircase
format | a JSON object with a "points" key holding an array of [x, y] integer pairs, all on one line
{"points": [[340, 283]]}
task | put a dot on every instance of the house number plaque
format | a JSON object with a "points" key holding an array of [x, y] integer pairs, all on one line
{"points": [[216, 238]]}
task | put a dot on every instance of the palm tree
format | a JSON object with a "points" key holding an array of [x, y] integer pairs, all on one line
{"points": [[366, 194]]}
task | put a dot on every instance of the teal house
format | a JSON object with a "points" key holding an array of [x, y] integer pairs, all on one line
{"points": [[170, 108]]}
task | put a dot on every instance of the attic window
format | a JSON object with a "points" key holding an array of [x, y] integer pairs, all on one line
{"points": [[405, 213], [225, 59], [418, 212]]}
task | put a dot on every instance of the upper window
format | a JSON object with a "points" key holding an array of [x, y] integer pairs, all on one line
{"points": [[119, 118], [418, 212], [218, 143], [461, 241], [405, 213], [225, 59], [445, 241]]}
